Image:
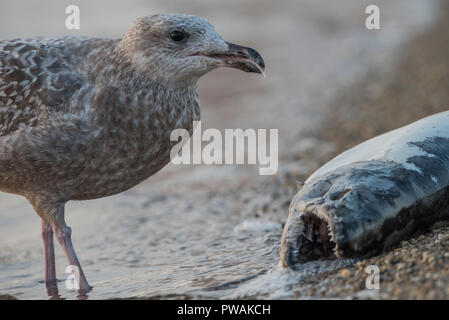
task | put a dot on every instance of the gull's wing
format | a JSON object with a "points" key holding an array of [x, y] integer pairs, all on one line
{"points": [[36, 76]]}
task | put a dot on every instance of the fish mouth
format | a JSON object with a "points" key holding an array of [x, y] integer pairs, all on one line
{"points": [[315, 242], [238, 57], [366, 207], [307, 237]]}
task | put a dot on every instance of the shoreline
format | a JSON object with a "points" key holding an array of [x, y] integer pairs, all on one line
{"points": [[414, 269]]}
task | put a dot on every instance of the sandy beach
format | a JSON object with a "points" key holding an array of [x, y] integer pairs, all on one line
{"points": [[213, 231]]}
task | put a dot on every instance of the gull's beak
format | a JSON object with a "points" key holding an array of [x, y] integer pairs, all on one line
{"points": [[239, 57]]}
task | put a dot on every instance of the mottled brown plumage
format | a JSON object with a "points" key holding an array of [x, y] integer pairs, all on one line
{"points": [[85, 118]]}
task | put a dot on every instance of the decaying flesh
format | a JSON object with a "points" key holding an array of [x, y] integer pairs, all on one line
{"points": [[372, 196], [315, 240]]}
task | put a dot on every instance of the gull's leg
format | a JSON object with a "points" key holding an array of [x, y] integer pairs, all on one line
{"points": [[63, 234], [49, 254], [52, 210]]}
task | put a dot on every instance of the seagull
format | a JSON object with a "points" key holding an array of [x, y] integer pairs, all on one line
{"points": [[85, 118]]}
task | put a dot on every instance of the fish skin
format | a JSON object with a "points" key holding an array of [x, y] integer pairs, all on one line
{"points": [[370, 205]]}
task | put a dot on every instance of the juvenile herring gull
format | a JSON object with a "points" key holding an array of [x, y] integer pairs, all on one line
{"points": [[84, 118]]}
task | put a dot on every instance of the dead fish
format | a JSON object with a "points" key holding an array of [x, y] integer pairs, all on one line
{"points": [[372, 196]]}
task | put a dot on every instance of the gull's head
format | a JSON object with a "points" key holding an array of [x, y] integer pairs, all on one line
{"points": [[179, 49]]}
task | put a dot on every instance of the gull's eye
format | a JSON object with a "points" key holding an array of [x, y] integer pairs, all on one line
{"points": [[178, 35]]}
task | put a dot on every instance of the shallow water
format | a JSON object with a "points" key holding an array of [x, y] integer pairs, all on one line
{"points": [[211, 231]]}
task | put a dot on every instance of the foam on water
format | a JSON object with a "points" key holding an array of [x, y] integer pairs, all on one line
{"points": [[257, 226]]}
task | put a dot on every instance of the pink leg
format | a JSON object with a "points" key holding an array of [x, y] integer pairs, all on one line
{"points": [[52, 211], [63, 234], [49, 253]]}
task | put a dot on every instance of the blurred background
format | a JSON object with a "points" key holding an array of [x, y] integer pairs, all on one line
{"points": [[213, 231]]}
